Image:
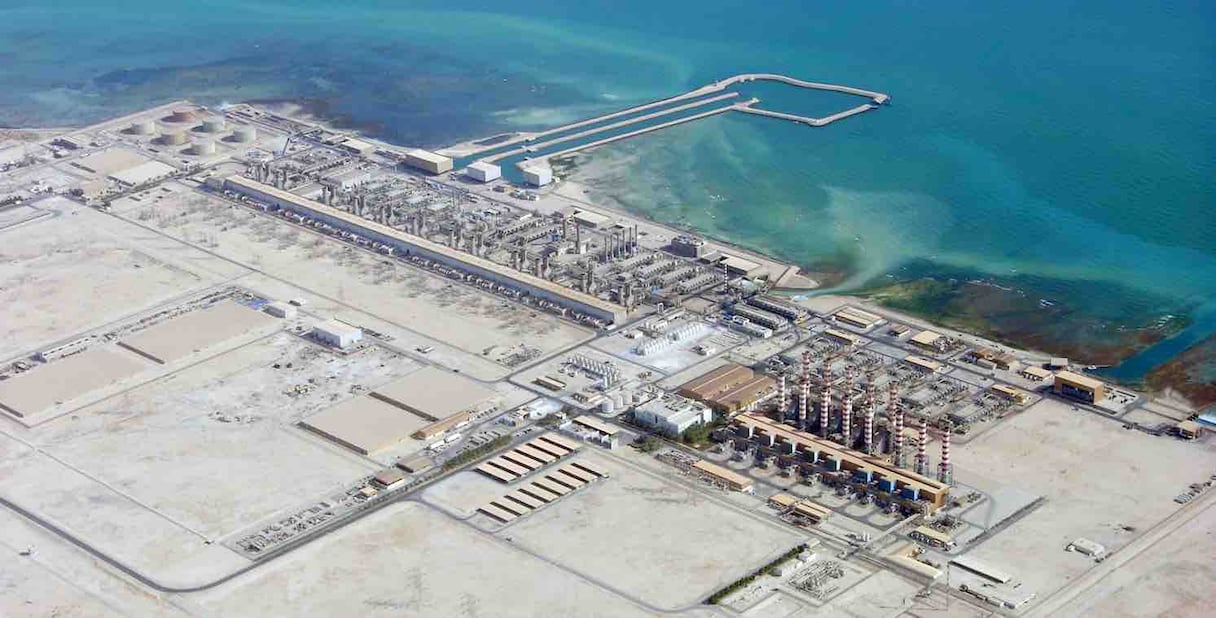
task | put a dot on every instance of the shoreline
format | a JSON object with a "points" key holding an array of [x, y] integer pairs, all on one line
{"points": [[1130, 340]]}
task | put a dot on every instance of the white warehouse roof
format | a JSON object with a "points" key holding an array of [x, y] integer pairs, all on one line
{"points": [[427, 155]]}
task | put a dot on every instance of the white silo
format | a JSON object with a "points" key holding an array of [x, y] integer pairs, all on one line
{"points": [[214, 125]]}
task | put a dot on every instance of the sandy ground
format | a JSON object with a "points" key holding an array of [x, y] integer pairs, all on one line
{"points": [[1101, 482], [66, 274], [408, 560], [152, 474], [649, 538], [461, 316]]}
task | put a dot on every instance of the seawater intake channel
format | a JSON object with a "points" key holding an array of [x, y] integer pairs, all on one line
{"points": [[710, 100]]}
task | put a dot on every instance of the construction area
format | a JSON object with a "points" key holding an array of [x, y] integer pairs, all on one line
{"points": [[244, 356]]}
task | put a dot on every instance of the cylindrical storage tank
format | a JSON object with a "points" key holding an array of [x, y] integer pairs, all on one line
{"points": [[180, 116], [608, 406], [143, 127], [213, 125], [173, 138], [203, 147], [245, 134]]}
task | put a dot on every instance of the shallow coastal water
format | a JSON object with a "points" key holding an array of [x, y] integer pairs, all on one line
{"points": [[1062, 150]]}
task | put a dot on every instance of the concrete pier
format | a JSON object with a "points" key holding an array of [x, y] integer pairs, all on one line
{"points": [[878, 98], [611, 127]]}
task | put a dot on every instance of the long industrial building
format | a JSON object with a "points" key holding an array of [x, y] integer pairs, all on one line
{"points": [[836, 456], [416, 245]]}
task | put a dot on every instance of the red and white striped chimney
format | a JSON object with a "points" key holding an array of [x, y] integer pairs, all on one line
{"points": [[826, 404]]}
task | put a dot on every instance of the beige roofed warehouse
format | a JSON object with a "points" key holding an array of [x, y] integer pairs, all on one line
{"points": [[181, 336], [434, 394], [60, 381], [364, 424]]}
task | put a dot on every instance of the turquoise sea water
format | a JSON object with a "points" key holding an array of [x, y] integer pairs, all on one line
{"points": [[1065, 147]]}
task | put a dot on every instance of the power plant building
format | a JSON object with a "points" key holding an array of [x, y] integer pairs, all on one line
{"points": [[876, 469], [538, 176], [1078, 386], [428, 162], [730, 388], [410, 244], [483, 172], [672, 414], [337, 334]]}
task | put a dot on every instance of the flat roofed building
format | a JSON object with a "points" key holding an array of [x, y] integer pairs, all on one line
{"points": [[428, 161], [537, 175], [927, 339], [857, 318], [549, 447], [145, 172], [194, 331], [388, 478], [672, 414], [1000, 360], [556, 488], [782, 501], [442, 426], [357, 147], [525, 499], [730, 478], [537, 454], [729, 388], [590, 219], [435, 394], [496, 473], [812, 511], [363, 424], [511, 506], [596, 425], [931, 490], [481, 171], [590, 467], [923, 363], [422, 247], [539, 492], [416, 464], [60, 381], [981, 568], [569, 480], [1190, 430], [1036, 374], [1015, 395], [498, 513], [840, 336], [522, 460], [337, 334], [736, 265], [579, 474], [508, 466], [933, 537], [1079, 386], [558, 440]]}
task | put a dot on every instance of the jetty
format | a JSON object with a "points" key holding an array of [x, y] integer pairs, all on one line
{"points": [[536, 142]]}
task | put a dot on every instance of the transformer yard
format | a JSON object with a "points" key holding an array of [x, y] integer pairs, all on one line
{"points": [[251, 365]]}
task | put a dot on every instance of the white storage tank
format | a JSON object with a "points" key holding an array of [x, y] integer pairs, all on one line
{"points": [[244, 134], [173, 138], [203, 147], [143, 127], [214, 125]]}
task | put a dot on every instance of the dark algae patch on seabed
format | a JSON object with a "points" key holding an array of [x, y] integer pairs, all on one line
{"points": [[1033, 312], [1192, 374]]}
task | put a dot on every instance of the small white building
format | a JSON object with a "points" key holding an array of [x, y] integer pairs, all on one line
{"points": [[280, 309], [338, 334], [483, 172], [538, 176], [672, 414]]}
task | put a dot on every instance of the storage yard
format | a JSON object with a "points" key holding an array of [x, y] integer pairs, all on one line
{"points": [[251, 365]]}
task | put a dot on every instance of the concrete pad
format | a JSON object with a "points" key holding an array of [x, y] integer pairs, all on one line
{"points": [[65, 379], [184, 335], [652, 539], [408, 560]]}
